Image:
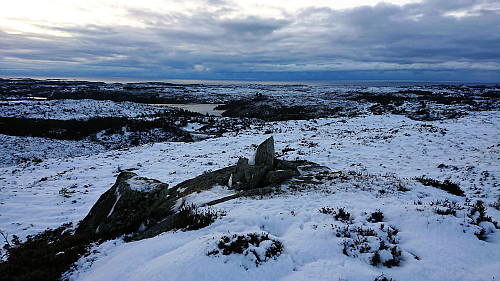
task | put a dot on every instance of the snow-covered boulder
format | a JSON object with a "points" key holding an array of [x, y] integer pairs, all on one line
{"points": [[129, 205]]}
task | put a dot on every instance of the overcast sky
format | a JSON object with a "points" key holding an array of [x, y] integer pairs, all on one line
{"points": [[435, 40]]}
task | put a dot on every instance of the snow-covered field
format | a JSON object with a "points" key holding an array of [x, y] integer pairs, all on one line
{"points": [[373, 160], [75, 109]]}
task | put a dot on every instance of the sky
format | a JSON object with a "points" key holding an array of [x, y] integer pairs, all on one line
{"points": [[282, 40]]}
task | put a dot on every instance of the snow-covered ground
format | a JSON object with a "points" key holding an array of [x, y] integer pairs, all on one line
{"points": [[76, 109], [378, 157]]}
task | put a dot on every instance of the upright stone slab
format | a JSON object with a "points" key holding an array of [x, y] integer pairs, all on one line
{"points": [[264, 156]]}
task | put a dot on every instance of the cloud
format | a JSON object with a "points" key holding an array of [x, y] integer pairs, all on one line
{"points": [[252, 26], [210, 41]]}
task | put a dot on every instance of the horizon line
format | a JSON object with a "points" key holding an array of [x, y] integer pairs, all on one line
{"points": [[129, 80]]}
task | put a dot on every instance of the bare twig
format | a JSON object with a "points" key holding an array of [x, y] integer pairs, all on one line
{"points": [[5, 237]]}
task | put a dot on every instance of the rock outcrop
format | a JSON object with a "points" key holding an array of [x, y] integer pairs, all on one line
{"points": [[264, 155], [264, 170], [135, 204], [126, 207], [147, 207]]}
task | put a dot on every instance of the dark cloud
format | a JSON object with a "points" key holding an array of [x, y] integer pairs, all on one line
{"points": [[413, 33], [408, 41]]}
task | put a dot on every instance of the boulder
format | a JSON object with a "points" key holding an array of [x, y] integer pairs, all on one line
{"points": [[265, 169], [264, 156], [254, 176], [238, 176], [125, 207]]}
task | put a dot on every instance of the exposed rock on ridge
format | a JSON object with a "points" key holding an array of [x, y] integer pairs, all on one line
{"points": [[266, 169], [127, 206], [146, 207]]}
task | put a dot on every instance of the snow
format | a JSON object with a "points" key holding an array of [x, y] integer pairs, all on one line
{"points": [[118, 195], [203, 197], [141, 185], [75, 109], [251, 160], [311, 249], [370, 157]]}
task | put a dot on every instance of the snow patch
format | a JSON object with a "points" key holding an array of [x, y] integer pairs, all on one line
{"points": [[141, 185], [251, 161], [117, 193]]}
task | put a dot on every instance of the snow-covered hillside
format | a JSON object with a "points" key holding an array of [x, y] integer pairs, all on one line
{"points": [[373, 162]]}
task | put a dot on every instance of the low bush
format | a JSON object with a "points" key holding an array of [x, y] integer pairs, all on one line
{"points": [[447, 185], [248, 245], [45, 256], [478, 214], [340, 214], [377, 216], [192, 218]]}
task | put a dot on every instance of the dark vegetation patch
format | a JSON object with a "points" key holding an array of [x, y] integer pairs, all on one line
{"points": [[446, 185], [89, 128], [249, 245], [382, 278], [398, 98], [366, 242], [269, 109], [45, 256], [445, 212], [340, 214], [192, 218], [376, 216], [496, 204]]}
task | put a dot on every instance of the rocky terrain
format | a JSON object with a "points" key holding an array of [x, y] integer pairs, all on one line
{"points": [[348, 183]]}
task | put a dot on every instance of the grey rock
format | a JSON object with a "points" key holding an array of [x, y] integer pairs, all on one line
{"points": [[264, 156], [277, 177], [238, 176], [202, 182], [254, 176], [246, 176], [124, 207], [266, 170], [284, 165]]}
